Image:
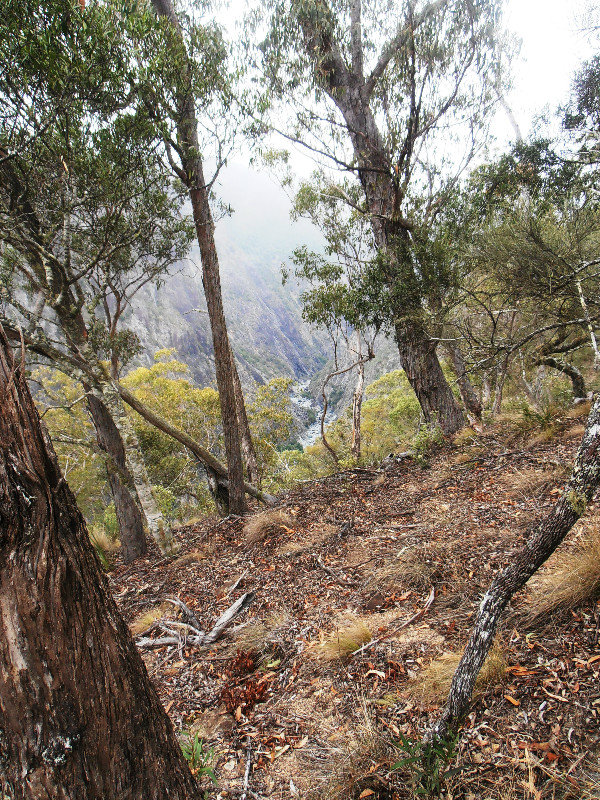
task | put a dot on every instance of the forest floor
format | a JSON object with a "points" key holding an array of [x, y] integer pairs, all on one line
{"points": [[286, 708]]}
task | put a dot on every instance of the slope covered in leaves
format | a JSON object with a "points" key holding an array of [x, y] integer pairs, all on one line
{"points": [[365, 585]]}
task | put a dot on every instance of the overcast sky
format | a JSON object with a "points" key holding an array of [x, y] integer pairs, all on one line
{"points": [[553, 47]]}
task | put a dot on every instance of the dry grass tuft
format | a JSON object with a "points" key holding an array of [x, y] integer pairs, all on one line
{"points": [[416, 568], [266, 523], [433, 684], [262, 635], [530, 482], [189, 558], [571, 578], [340, 644], [145, 621], [465, 436], [314, 537]]}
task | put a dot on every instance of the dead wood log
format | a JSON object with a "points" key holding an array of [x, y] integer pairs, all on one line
{"points": [[197, 637]]}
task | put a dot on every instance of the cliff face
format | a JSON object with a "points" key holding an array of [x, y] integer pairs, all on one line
{"points": [[265, 322]]}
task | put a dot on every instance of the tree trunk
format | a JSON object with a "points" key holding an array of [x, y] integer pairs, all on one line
{"points": [[79, 718], [543, 540], [193, 173], [130, 517], [248, 450], [424, 372], [346, 86], [469, 397], [223, 356], [577, 379], [160, 532]]}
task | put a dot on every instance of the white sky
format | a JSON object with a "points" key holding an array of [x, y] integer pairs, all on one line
{"points": [[553, 47]]}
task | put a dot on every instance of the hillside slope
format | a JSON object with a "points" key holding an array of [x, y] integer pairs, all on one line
{"points": [[353, 561]]}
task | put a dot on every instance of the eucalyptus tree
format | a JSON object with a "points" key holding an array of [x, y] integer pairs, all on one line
{"points": [[396, 94], [533, 264], [87, 216], [79, 716], [185, 90]]}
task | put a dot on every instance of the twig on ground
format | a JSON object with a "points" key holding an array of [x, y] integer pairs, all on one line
{"points": [[393, 629]]}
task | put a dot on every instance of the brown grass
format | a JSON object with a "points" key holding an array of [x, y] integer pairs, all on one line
{"points": [[311, 539], [190, 558], [465, 436], [260, 635], [530, 482], [340, 644], [571, 578], [145, 621], [266, 523], [433, 684], [416, 568]]}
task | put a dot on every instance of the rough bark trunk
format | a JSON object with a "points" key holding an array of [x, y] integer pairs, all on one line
{"points": [[223, 356], [79, 718], [424, 372], [193, 174], [130, 517], [248, 450], [543, 540], [469, 397], [577, 379]]}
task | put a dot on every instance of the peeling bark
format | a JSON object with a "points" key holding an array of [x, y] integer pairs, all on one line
{"points": [[79, 718]]}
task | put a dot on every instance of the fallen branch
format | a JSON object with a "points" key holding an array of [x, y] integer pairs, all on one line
{"points": [[395, 629], [187, 612], [198, 638]]}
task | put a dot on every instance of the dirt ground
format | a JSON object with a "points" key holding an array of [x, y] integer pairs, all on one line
{"points": [[392, 563]]}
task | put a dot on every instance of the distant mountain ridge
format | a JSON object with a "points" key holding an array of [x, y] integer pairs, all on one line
{"points": [[264, 318]]}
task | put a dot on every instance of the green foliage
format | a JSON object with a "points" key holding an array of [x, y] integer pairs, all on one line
{"points": [[166, 388], [427, 764], [271, 423], [390, 416], [111, 526], [61, 402], [426, 441], [200, 760]]}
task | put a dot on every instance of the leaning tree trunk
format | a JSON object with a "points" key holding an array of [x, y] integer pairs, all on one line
{"points": [[543, 540], [465, 387], [570, 370], [79, 718], [193, 175], [130, 517], [424, 372]]}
